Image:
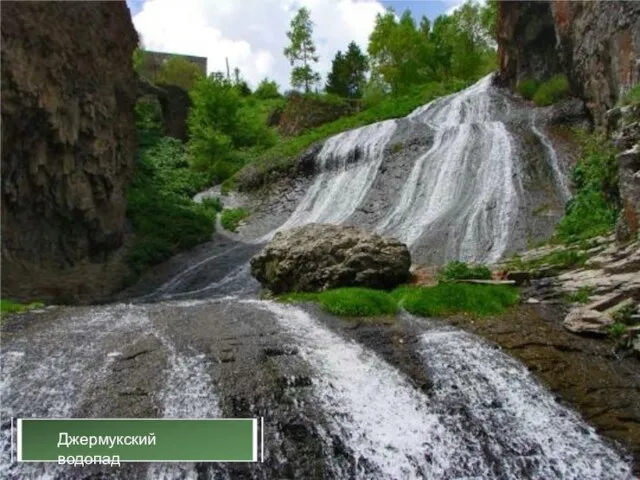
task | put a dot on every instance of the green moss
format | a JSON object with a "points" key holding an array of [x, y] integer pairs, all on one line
{"points": [[231, 218], [551, 91], [450, 298]]}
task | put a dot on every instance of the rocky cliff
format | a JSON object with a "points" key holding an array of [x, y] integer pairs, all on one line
{"points": [[596, 44], [68, 142]]}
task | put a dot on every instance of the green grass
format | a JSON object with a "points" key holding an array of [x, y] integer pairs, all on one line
{"points": [[457, 270], [551, 91], [442, 300], [581, 295], [231, 218], [349, 301], [447, 299], [631, 97], [9, 306], [264, 166]]}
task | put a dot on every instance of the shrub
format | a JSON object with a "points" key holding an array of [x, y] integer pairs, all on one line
{"points": [[179, 71], [267, 89], [457, 270], [594, 208], [231, 217], [624, 314], [527, 88], [451, 298], [551, 91], [164, 218]]}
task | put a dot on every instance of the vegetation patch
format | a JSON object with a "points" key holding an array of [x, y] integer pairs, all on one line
{"points": [[447, 299], [457, 270], [159, 198], [617, 330], [551, 91], [582, 295], [349, 301], [631, 97], [594, 208], [9, 306], [562, 259], [527, 88], [231, 218]]}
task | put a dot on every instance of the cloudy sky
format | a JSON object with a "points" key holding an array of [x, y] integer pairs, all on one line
{"points": [[252, 33]]}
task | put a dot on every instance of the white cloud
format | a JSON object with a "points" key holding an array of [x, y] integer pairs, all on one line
{"points": [[252, 33]]}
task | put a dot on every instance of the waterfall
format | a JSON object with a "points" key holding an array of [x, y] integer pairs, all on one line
{"points": [[462, 194]]}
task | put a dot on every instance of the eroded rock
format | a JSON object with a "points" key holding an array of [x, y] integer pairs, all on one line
{"points": [[316, 257]]}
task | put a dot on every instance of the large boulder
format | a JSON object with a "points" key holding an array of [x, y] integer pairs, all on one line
{"points": [[316, 257]]}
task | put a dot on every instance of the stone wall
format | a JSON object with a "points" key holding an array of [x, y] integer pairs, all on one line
{"points": [[68, 144]]}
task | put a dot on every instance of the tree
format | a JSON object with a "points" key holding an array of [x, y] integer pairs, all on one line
{"points": [[267, 89], [301, 51], [180, 72], [347, 76]]}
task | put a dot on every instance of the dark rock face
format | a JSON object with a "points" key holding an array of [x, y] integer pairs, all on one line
{"points": [[68, 142], [175, 104], [598, 45], [316, 257]]}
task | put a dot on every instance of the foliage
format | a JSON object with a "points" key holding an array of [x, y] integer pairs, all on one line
{"points": [[593, 209], [451, 298], [178, 71], [350, 301], [581, 295], [138, 60], [220, 124], [8, 306], [527, 88], [347, 76], [551, 91], [457, 270], [164, 218], [267, 89], [301, 51], [632, 96], [617, 330], [231, 217], [457, 45]]}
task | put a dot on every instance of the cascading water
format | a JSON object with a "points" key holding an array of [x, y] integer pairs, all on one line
{"points": [[464, 193]]}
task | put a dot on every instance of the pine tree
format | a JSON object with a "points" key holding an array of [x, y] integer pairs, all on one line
{"points": [[301, 51], [347, 76]]}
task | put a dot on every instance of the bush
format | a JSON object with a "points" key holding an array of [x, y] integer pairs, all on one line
{"points": [[527, 88], [456, 270], [164, 218], [581, 295], [594, 208], [617, 330], [178, 71], [231, 217], [267, 89], [349, 302], [551, 91], [451, 298]]}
